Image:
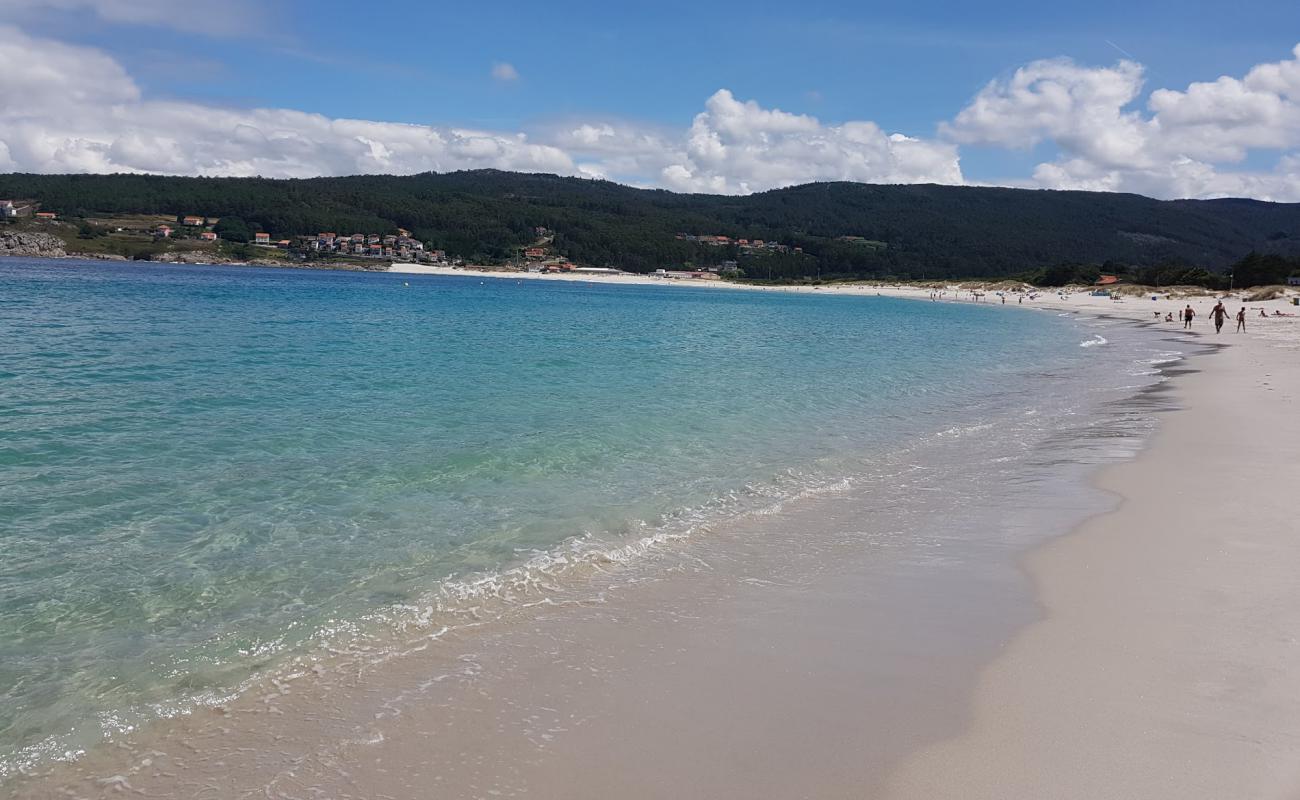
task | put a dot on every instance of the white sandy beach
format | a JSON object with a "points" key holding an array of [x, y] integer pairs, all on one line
{"points": [[1141, 308], [1164, 664], [1161, 667]]}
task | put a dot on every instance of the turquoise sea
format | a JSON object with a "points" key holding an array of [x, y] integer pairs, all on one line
{"points": [[205, 470]]}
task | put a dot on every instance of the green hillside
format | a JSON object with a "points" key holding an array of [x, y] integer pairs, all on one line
{"points": [[916, 231]]}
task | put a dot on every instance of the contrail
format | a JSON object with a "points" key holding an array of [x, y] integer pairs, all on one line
{"points": [[1122, 51]]}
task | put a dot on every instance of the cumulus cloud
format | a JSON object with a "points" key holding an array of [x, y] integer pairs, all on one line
{"points": [[1177, 147], [66, 108], [70, 108], [505, 72], [86, 114], [737, 147]]}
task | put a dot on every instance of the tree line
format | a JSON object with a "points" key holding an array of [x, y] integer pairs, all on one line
{"points": [[910, 232]]}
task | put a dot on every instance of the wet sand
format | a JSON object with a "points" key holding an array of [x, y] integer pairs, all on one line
{"points": [[812, 651], [798, 653], [1166, 664]]}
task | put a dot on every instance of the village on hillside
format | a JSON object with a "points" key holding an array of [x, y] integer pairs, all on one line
{"points": [[199, 237]]}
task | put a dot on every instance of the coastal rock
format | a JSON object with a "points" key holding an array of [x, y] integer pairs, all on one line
{"points": [[189, 257], [38, 245]]}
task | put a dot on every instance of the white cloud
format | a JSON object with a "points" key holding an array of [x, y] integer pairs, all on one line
{"points": [[85, 114], [90, 116], [1178, 147], [736, 147], [69, 108], [505, 72]]}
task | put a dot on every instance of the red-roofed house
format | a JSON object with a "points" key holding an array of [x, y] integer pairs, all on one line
{"points": [[1108, 280], [208, 236], [192, 221], [261, 238], [46, 215]]}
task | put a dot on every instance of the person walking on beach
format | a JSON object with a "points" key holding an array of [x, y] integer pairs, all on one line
{"points": [[1241, 320], [1188, 313], [1218, 314]]}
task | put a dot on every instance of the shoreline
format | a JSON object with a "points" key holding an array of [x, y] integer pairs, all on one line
{"points": [[967, 758], [1078, 299], [683, 641], [1161, 668]]}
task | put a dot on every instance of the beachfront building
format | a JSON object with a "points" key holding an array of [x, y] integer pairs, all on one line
{"points": [[684, 274], [8, 209], [208, 236], [397, 247], [262, 238], [193, 222], [48, 215]]}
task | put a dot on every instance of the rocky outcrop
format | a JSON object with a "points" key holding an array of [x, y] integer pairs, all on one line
{"points": [[188, 257], [33, 245]]}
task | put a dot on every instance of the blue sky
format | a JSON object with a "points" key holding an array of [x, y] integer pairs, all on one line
{"points": [[909, 68]]}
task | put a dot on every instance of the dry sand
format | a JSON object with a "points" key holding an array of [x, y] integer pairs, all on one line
{"points": [[1166, 664], [1163, 667]]}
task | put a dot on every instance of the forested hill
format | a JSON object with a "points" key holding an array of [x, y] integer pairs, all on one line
{"points": [[918, 231]]}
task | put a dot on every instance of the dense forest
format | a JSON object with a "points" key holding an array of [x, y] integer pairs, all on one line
{"points": [[843, 229]]}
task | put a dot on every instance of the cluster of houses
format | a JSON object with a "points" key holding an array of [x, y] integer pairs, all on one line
{"points": [[199, 227], [10, 209], [749, 245], [397, 247]]}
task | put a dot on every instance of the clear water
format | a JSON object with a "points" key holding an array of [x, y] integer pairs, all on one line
{"points": [[204, 470]]}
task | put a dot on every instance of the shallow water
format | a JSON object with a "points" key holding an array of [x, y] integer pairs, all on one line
{"points": [[207, 471]]}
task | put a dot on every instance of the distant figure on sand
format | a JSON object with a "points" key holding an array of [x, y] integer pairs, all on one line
{"points": [[1170, 316], [1218, 314], [1241, 320], [1188, 314]]}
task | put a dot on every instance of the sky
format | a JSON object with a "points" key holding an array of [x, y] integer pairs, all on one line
{"points": [[1167, 99]]}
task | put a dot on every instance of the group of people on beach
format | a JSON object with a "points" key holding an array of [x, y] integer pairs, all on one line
{"points": [[1218, 315]]}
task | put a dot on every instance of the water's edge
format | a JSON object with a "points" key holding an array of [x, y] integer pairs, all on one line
{"points": [[465, 605]]}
